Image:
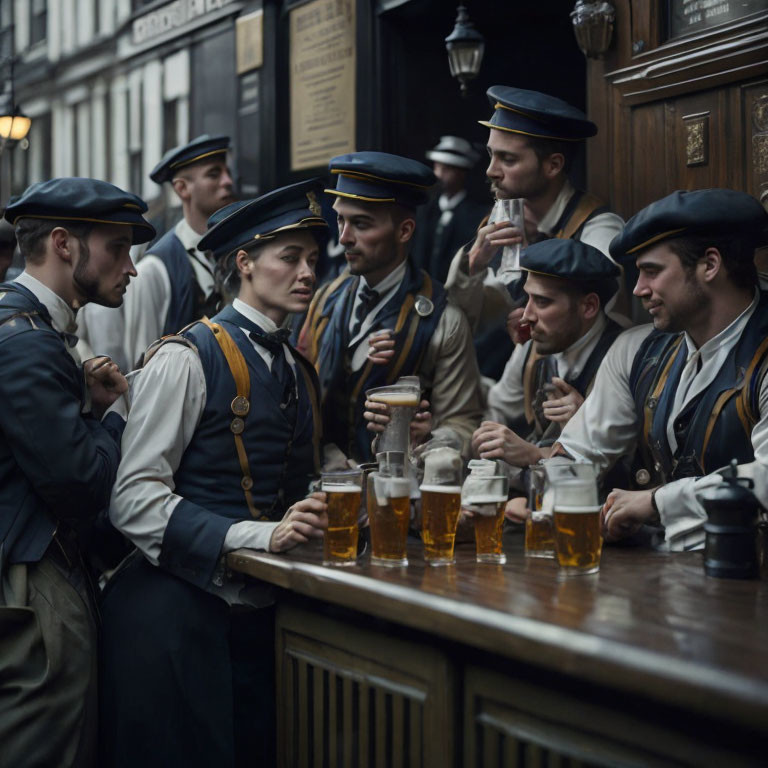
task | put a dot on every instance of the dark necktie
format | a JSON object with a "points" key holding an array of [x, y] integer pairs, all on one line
{"points": [[368, 299], [281, 370]]}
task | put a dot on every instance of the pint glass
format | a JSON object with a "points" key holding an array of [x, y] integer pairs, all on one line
{"points": [[538, 524], [486, 497], [440, 504], [389, 511], [344, 492], [576, 517], [403, 399]]}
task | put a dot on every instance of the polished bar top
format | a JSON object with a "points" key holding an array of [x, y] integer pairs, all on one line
{"points": [[649, 622]]}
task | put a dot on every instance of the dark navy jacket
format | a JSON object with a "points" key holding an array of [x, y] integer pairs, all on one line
{"points": [[187, 300], [278, 443], [56, 463], [343, 389]]}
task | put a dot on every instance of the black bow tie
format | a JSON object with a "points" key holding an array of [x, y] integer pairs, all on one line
{"points": [[272, 341]]}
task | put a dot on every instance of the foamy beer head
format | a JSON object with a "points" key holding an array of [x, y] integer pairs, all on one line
{"points": [[442, 466], [406, 394], [483, 493]]}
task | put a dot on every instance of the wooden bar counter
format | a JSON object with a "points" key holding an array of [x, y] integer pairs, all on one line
{"points": [[649, 662]]}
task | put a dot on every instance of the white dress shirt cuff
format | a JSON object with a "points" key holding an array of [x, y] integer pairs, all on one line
{"points": [[250, 534]]}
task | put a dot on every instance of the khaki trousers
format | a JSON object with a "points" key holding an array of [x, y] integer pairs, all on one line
{"points": [[48, 658]]}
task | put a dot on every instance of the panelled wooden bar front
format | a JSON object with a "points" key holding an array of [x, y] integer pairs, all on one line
{"points": [[648, 663]]}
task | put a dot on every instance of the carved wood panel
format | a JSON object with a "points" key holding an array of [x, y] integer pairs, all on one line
{"points": [[348, 697]]}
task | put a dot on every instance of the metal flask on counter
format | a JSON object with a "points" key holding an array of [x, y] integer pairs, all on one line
{"points": [[731, 546]]}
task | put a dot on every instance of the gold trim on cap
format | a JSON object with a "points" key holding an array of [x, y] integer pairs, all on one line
{"points": [[526, 133], [656, 238], [182, 163], [82, 218], [360, 197], [366, 176]]}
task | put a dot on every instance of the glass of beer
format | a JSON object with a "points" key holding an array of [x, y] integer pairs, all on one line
{"points": [[538, 524], [389, 511], [344, 493], [576, 517], [486, 498], [440, 504], [403, 399]]}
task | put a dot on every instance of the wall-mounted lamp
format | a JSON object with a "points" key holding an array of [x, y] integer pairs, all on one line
{"points": [[465, 46], [593, 26]]}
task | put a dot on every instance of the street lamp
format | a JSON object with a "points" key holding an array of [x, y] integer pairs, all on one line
{"points": [[14, 125], [465, 46], [593, 26]]}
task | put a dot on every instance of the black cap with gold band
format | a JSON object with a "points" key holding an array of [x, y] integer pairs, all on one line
{"points": [[574, 262], [531, 113], [700, 212], [198, 149], [378, 177], [246, 223], [82, 201]]}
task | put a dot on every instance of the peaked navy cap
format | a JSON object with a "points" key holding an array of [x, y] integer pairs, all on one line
{"points": [[531, 113], [378, 177], [199, 148], [247, 222], [86, 201], [573, 261], [701, 212]]}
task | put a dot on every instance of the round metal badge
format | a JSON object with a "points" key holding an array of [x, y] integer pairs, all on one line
{"points": [[237, 425], [240, 406], [643, 477], [423, 306]]}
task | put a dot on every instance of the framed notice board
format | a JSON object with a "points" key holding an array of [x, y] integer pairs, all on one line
{"points": [[688, 16]]}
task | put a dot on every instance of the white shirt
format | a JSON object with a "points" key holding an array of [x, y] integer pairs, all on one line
{"points": [[484, 296], [386, 289], [125, 333], [506, 398], [605, 427], [62, 315], [168, 399], [447, 204]]}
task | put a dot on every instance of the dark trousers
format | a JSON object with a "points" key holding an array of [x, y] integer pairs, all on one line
{"points": [[185, 679]]}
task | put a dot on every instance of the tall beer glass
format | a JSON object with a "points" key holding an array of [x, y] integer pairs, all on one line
{"points": [[538, 524], [576, 517], [486, 497], [403, 399], [344, 491], [389, 511], [440, 504]]}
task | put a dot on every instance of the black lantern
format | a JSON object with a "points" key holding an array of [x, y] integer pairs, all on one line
{"points": [[593, 26], [465, 46]]}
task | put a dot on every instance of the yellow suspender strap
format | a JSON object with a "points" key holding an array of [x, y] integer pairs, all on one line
{"points": [[528, 393], [240, 405], [660, 382], [426, 291], [315, 311], [586, 206], [742, 404]]}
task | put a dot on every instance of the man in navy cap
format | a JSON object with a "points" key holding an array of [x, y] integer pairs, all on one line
{"points": [[175, 284], [567, 284], [532, 144], [451, 219], [219, 450], [57, 461], [689, 392], [376, 199]]}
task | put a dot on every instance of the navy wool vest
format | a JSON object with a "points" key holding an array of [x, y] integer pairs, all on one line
{"points": [[343, 390], [714, 427], [187, 299], [280, 452]]}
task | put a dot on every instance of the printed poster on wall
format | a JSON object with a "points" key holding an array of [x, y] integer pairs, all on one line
{"points": [[322, 82]]}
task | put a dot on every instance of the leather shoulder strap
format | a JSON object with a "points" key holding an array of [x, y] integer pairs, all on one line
{"points": [[587, 206], [240, 405]]}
